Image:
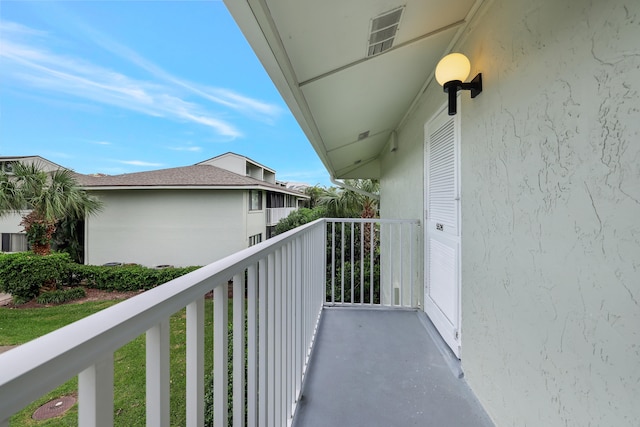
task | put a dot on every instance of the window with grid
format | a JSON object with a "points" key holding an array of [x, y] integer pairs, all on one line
{"points": [[255, 239], [255, 200]]}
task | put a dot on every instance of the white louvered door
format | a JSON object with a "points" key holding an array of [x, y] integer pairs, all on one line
{"points": [[442, 226]]}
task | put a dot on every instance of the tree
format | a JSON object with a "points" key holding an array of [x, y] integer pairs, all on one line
{"points": [[314, 193], [345, 203], [49, 198]]}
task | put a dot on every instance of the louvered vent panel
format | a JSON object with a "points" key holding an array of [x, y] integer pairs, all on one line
{"points": [[383, 31], [442, 203]]}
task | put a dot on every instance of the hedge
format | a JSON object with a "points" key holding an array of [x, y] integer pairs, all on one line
{"points": [[124, 278], [60, 296], [23, 274]]}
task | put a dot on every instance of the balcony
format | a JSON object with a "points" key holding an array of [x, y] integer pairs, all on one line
{"points": [[274, 215], [330, 326]]}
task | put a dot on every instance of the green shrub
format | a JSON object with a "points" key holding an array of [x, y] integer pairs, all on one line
{"points": [[299, 217], [22, 274], [61, 295], [123, 278]]}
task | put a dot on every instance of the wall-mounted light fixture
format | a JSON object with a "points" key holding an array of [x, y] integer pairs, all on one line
{"points": [[451, 72]]}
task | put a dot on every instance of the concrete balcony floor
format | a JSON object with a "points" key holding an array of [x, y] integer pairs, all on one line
{"points": [[377, 367]]}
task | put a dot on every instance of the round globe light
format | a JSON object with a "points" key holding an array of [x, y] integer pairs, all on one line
{"points": [[454, 66]]}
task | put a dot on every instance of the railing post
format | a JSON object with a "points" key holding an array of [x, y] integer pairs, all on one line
{"points": [[263, 291], [291, 247], [277, 404], [351, 263], [95, 394], [157, 349], [342, 263], [362, 227], [238, 350], [411, 272], [401, 269], [220, 354], [252, 348], [390, 265], [333, 262], [195, 363], [372, 263], [271, 341], [301, 283]]}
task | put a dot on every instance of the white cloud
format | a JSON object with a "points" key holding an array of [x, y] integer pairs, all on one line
{"points": [[101, 142], [139, 163], [190, 148], [250, 106], [17, 29], [37, 67]]}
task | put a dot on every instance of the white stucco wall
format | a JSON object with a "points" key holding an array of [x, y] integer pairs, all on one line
{"points": [[550, 177], [177, 227]]}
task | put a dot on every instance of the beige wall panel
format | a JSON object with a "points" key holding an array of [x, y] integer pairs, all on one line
{"points": [[177, 227]]}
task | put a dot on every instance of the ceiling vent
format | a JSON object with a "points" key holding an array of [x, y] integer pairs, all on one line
{"points": [[383, 31], [363, 135]]}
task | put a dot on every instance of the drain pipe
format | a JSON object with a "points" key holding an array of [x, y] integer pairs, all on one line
{"points": [[346, 186]]}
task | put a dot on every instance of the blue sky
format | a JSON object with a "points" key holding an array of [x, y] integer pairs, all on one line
{"points": [[126, 86]]}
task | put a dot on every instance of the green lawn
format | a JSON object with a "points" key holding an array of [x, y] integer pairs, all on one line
{"points": [[18, 326]]}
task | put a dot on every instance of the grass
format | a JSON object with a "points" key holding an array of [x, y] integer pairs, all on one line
{"points": [[18, 326]]}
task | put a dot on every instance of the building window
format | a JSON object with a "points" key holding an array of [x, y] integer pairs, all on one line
{"points": [[14, 242], [7, 167], [255, 200], [255, 239]]}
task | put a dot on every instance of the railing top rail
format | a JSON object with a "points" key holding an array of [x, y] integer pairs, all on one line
{"points": [[45, 362], [375, 220]]}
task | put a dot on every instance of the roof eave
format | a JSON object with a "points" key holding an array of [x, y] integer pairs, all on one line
{"points": [[259, 30]]}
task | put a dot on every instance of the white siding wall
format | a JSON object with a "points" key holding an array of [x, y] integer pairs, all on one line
{"points": [[177, 227], [230, 162], [550, 208], [41, 163], [11, 223], [256, 220]]}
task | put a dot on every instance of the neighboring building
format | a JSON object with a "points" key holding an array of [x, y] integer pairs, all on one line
{"points": [[190, 215], [529, 197], [14, 239]]}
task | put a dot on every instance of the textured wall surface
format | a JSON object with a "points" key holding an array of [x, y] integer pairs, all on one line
{"points": [[550, 211], [177, 227]]}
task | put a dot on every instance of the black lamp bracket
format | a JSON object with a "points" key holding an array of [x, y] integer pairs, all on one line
{"points": [[452, 87]]}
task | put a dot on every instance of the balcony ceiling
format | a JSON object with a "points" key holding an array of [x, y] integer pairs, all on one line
{"points": [[316, 52]]}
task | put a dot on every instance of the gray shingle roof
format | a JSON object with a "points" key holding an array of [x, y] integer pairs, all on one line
{"points": [[205, 176]]}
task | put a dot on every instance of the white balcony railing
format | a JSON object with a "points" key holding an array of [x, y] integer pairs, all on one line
{"points": [[286, 281], [274, 215], [372, 262]]}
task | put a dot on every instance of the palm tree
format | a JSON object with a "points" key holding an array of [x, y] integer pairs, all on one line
{"points": [[50, 197], [344, 203]]}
